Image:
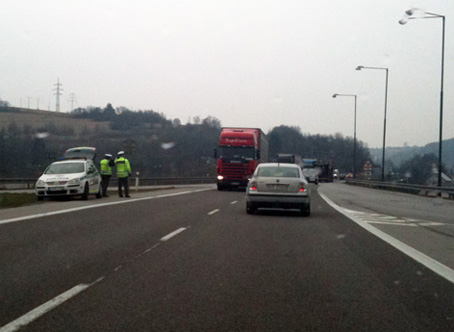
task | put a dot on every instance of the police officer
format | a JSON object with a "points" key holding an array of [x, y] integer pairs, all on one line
{"points": [[106, 172], [123, 173]]}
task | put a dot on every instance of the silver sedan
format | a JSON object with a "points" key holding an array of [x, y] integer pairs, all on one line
{"points": [[278, 186]]}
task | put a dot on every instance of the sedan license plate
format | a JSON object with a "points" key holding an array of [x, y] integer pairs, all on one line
{"points": [[277, 187], [56, 188]]}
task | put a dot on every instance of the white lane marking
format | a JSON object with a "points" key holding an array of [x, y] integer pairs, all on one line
{"points": [[213, 212], [425, 260], [168, 236], [199, 190], [6, 221], [234, 202], [46, 307], [174, 194], [377, 218]]}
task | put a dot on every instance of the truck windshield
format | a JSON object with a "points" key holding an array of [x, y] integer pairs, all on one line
{"points": [[237, 152]]}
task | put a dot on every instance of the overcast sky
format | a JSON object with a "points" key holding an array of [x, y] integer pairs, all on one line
{"points": [[248, 63]]}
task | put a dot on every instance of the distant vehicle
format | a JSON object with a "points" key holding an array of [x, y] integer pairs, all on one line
{"points": [[278, 185], [290, 158], [240, 151], [74, 177], [324, 169], [349, 176], [311, 175]]}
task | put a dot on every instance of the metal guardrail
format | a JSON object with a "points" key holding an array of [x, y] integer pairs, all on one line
{"points": [[447, 192], [29, 183]]}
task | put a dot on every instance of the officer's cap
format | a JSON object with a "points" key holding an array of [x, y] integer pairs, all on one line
{"points": [[120, 153], [108, 155]]}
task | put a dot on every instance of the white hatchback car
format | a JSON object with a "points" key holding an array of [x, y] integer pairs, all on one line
{"points": [[74, 177], [278, 185]]}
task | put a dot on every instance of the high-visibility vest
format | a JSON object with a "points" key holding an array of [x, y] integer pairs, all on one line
{"points": [[105, 168], [123, 167]]}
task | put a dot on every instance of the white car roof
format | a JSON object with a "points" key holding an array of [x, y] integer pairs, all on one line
{"points": [[277, 164]]}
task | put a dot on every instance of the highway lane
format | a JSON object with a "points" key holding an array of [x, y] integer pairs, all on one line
{"points": [[424, 223], [225, 270]]}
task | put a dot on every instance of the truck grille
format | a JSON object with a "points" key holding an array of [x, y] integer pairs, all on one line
{"points": [[235, 171]]}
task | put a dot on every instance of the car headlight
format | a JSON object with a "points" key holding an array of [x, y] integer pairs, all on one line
{"points": [[40, 183], [220, 177], [73, 182]]}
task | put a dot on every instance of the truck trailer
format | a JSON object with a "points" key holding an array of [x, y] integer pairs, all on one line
{"points": [[240, 151], [323, 169]]}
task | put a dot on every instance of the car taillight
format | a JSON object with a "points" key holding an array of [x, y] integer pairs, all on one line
{"points": [[253, 186], [302, 188]]}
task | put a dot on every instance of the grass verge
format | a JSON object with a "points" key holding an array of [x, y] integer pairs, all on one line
{"points": [[9, 200]]}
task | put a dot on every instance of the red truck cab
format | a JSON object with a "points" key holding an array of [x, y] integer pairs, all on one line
{"points": [[240, 151]]}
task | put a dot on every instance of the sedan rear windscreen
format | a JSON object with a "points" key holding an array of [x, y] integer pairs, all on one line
{"points": [[284, 172]]}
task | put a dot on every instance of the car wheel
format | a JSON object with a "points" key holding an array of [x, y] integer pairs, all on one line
{"points": [[39, 198], [250, 208], [86, 191], [220, 187], [306, 210]]}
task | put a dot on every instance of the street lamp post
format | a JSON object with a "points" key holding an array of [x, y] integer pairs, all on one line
{"points": [[409, 15], [384, 121], [354, 130]]}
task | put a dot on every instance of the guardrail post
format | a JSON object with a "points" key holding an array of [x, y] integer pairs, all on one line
{"points": [[137, 181]]}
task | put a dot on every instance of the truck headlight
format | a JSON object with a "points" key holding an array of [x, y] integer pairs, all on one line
{"points": [[220, 177]]}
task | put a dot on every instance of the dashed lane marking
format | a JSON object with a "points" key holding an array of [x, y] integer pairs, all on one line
{"points": [[213, 212], [171, 235]]}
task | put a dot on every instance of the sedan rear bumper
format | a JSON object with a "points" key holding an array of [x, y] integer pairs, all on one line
{"points": [[278, 201]]}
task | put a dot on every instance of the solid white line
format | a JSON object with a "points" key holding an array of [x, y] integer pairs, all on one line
{"points": [[391, 223], [213, 212], [425, 260], [6, 221], [46, 307], [168, 236]]}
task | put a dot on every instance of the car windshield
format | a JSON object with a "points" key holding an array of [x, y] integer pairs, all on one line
{"points": [[278, 171], [66, 168]]}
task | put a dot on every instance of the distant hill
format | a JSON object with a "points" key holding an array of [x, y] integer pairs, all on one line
{"points": [[400, 154], [39, 120]]}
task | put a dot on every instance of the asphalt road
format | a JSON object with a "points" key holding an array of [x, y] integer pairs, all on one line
{"points": [[193, 260]]}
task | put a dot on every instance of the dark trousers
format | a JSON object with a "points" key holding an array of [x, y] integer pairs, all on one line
{"points": [[105, 179], [123, 182]]}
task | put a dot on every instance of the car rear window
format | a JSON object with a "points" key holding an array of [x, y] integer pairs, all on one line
{"points": [[284, 172]]}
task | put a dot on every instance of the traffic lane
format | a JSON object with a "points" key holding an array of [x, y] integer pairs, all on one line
{"points": [[43, 257], [68, 203], [433, 235], [268, 272], [389, 202]]}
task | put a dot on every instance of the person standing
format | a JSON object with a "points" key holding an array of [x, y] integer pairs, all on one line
{"points": [[123, 173], [106, 172]]}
